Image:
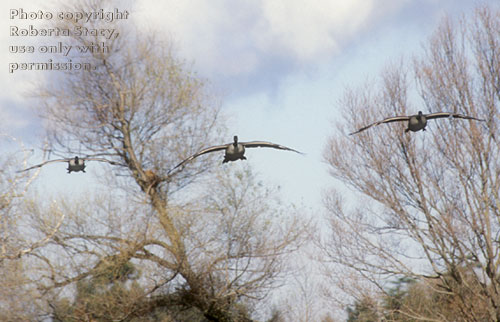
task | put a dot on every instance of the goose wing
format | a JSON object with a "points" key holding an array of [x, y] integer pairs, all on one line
{"points": [[264, 144], [44, 163], [99, 159], [448, 114], [387, 120], [197, 154]]}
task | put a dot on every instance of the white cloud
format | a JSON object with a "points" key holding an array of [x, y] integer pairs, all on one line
{"points": [[14, 112], [230, 38], [249, 41], [311, 29]]}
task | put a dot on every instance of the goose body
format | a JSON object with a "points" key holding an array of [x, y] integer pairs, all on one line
{"points": [[236, 150], [75, 164], [417, 122]]}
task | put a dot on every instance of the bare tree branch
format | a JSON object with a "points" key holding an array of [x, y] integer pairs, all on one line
{"points": [[433, 209]]}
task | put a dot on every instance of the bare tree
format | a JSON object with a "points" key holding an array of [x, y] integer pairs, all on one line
{"points": [[429, 206], [17, 239], [304, 300], [13, 206], [214, 247]]}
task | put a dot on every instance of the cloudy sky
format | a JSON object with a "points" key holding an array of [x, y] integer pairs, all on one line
{"points": [[280, 67]]}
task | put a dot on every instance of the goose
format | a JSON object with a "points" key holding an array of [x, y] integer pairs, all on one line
{"points": [[418, 122], [75, 164], [236, 150]]}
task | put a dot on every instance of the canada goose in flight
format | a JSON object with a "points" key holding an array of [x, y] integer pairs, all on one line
{"points": [[75, 164], [235, 150], [418, 122]]}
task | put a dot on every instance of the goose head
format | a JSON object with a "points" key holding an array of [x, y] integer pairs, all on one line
{"points": [[235, 141], [420, 114]]}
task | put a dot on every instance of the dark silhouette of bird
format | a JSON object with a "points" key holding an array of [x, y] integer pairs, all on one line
{"points": [[75, 164], [236, 150], [418, 122]]}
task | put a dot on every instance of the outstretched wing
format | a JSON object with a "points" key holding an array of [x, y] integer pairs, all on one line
{"points": [[387, 120], [99, 159], [44, 163], [454, 115], [264, 144], [197, 154]]}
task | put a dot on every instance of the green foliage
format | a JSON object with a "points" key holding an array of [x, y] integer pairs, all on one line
{"points": [[414, 300], [364, 310], [397, 297], [110, 293]]}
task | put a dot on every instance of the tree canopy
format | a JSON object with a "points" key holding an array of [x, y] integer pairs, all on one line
{"points": [[430, 200]]}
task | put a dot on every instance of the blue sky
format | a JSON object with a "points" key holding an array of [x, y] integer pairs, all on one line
{"points": [[280, 67]]}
